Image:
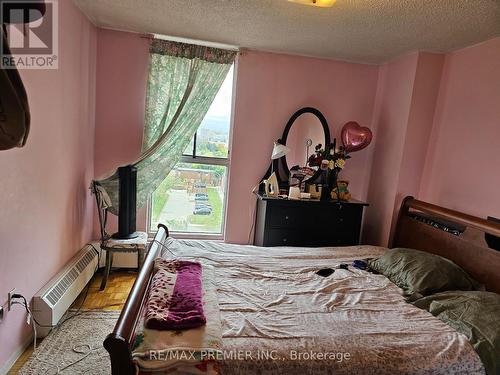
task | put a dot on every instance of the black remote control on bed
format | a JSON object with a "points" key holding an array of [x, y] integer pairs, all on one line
{"points": [[325, 272]]}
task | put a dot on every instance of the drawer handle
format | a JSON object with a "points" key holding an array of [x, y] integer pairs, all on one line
{"points": [[284, 240], [286, 217]]}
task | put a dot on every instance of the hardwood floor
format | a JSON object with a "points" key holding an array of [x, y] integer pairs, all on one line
{"points": [[112, 298]]}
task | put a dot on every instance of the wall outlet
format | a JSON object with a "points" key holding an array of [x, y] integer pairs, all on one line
{"points": [[11, 293]]}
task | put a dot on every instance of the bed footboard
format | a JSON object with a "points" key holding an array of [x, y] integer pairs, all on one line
{"points": [[119, 342]]}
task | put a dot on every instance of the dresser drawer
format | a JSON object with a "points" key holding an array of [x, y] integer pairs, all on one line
{"points": [[340, 216], [287, 217], [317, 238], [306, 218], [284, 237], [307, 223]]}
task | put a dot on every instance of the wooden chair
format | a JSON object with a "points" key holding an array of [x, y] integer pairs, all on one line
{"points": [[112, 245]]}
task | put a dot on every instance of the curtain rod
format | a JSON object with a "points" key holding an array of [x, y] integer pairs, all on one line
{"points": [[191, 41]]}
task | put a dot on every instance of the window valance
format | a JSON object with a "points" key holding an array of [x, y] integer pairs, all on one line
{"points": [[191, 51]]}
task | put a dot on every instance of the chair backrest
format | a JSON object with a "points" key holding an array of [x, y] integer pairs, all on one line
{"points": [[102, 208]]}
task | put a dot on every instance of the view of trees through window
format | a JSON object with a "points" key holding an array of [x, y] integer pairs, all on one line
{"points": [[192, 197]]}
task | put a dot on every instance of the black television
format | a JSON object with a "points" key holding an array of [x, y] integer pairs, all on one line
{"points": [[127, 203]]}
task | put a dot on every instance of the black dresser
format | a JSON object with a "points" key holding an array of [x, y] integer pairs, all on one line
{"points": [[311, 223]]}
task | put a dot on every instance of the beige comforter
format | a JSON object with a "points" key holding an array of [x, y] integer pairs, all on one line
{"points": [[279, 317]]}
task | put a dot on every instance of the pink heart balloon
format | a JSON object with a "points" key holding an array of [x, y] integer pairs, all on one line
{"points": [[355, 137]]}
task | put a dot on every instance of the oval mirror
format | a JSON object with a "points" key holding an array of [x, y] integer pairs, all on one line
{"points": [[305, 129], [305, 134]]}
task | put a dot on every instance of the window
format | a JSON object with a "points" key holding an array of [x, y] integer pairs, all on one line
{"points": [[191, 200]]}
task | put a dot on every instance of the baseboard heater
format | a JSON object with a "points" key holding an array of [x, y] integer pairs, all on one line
{"points": [[54, 299]]}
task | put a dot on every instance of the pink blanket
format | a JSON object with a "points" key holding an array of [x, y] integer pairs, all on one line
{"points": [[175, 299]]}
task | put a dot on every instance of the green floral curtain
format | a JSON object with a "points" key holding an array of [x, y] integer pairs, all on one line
{"points": [[183, 82]]}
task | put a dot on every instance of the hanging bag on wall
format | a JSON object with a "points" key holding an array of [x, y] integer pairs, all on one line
{"points": [[14, 109]]}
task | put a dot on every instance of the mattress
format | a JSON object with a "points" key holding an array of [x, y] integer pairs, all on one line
{"points": [[279, 317]]}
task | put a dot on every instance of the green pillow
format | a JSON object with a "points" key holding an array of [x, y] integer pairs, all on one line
{"points": [[419, 273], [474, 314]]}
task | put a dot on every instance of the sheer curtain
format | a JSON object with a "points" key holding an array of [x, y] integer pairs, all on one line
{"points": [[183, 82]]}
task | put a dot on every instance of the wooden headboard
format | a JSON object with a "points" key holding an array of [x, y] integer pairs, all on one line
{"points": [[469, 250]]}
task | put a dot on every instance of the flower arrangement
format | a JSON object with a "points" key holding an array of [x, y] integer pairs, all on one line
{"points": [[331, 161], [329, 157]]}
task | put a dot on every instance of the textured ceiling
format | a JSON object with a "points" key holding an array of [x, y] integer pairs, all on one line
{"points": [[370, 31]]}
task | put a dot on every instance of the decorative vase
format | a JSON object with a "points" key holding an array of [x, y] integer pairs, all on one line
{"points": [[330, 181]]}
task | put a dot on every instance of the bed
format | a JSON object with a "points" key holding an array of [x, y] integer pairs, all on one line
{"points": [[271, 301]]}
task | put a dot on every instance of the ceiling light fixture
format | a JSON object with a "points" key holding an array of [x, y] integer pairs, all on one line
{"points": [[316, 3]]}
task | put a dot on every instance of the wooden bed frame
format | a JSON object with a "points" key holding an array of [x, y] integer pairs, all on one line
{"points": [[469, 250]]}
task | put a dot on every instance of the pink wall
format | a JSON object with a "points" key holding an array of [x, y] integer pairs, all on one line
{"points": [[392, 109], [420, 120], [269, 89], [122, 72], [406, 98], [462, 167], [437, 126], [46, 207]]}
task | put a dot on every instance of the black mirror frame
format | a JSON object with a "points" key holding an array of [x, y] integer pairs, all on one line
{"points": [[289, 124], [280, 165]]}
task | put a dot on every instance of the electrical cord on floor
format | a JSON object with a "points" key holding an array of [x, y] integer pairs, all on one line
{"points": [[78, 348], [84, 349], [31, 319]]}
